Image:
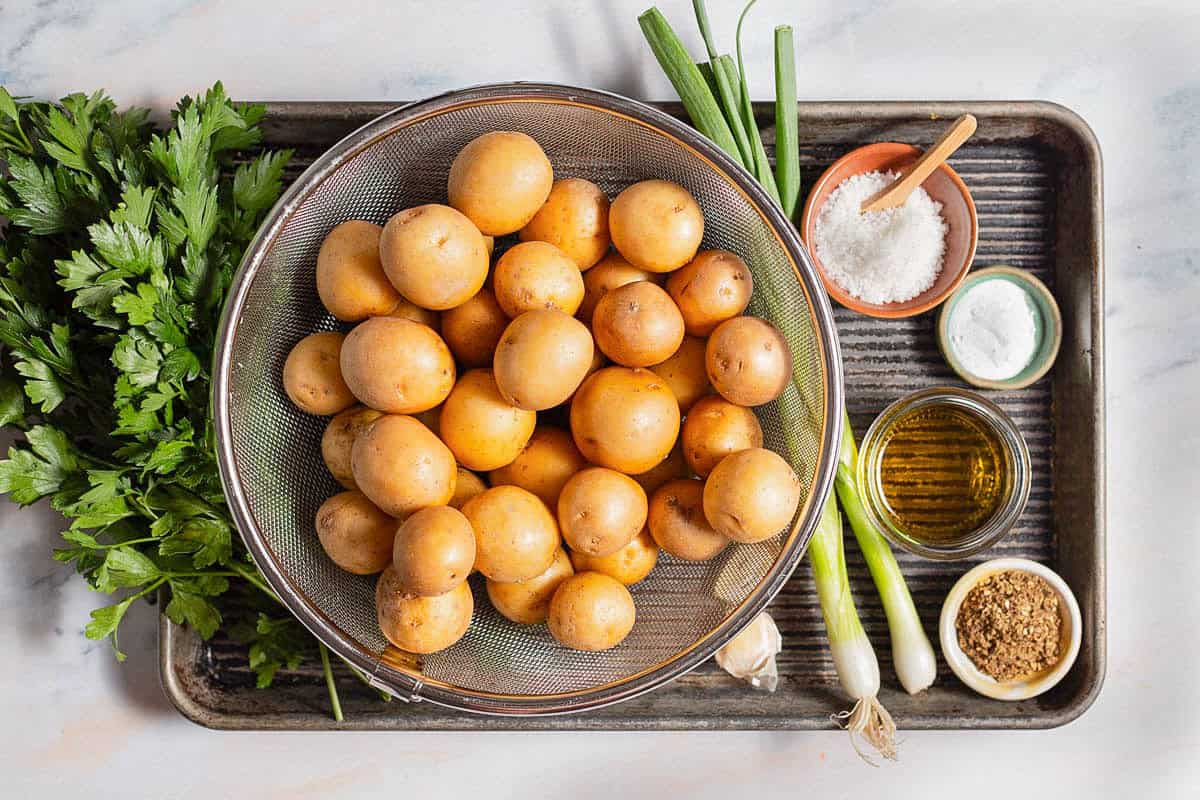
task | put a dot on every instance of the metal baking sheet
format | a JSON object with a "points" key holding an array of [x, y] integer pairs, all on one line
{"points": [[1035, 173]]}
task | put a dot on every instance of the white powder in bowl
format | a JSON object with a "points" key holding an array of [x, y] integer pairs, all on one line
{"points": [[992, 329], [886, 256]]}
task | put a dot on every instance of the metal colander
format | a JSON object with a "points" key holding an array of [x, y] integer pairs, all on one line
{"points": [[269, 452]]}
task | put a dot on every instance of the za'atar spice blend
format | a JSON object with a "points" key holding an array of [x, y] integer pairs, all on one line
{"points": [[1009, 625]]}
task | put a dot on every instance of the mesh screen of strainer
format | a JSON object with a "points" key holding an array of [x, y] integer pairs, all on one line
{"points": [[270, 452]]}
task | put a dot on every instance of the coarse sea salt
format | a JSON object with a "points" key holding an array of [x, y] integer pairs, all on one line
{"points": [[886, 256]]}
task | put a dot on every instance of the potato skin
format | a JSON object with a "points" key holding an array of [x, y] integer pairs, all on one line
{"points": [[751, 495], [685, 374], [600, 511], [434, 550], [473, 329], [537, 275], [466, 485], [637, 325], [541, 359], [714, 286], [574, 219], [673, 467], [515, 534], [748, 361], [338, 440], [624, 419], [405, 309], [631, 564], [528, 602], [544, 466], [482, 429], [612, 271], [716, 428], [397, 366], [434, 256], [678, 524], [591, 611], [500, 180], [401, 466], [355, 533], [656, 225], [312, 375], [419, 624], [350, 278]]}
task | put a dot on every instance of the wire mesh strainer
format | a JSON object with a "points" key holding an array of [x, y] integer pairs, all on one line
{"points": [[269, 453]]}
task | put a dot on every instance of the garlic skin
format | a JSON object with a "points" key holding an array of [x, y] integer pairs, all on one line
{"points": [[750, 655]]}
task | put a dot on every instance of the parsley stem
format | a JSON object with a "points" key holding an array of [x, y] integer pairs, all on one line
{"points": [[334, 701], [384, 696]]}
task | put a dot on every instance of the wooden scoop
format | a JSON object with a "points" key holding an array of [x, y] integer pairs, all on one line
{"points": [[916, 173]]}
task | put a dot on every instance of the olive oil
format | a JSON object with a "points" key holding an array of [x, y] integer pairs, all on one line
{"points": [[942, 472]]}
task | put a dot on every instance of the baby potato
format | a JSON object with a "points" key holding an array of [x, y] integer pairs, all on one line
{"points": [[637, 325], [481, 428], [312, 375], [338, 440], [396, 365], [631, 564], [748, 361], [656, 225], [600, 511], [624, 419], [542, 358], [714, 286], [434, 550], [716, 428], [500, 180], [466, 485], [751, 495], [407, 310], [355, 533], [612, 271], [528, 602], [574, 219], [419, 624], [434, 256], [684, 373], [591, 611], [473, 329], [515, 535], [401, 466], [678, 524], [537, 275], [670, 468], [350, 278], [546, 463]]}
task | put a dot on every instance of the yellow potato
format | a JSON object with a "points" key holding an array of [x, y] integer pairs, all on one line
{"points": [[407, 310], [396, 365], [500, 180], [611, 272], [748, 361], [656, 225], [481, 428], [536, 275], [542, 358], [751, 495], [574, 219], [631, 564], [312, 375], [528, 602], [401, 466], [591, 611], [637, 325], [715, 286], [670, 468], [466, 486], [678, 524], [434, 550], [350, 278], [338, 440], [515, 535], [716, 428], [434, 256], [355, 533], [624, 419], [548, 461], [419, 624], [684, 373], [473, 329], [600, 511]]}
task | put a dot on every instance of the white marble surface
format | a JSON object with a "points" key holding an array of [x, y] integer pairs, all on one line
{"points": [[78, 723]]}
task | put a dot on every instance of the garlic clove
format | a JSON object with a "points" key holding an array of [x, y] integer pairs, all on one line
{"points": [[750, 655]]}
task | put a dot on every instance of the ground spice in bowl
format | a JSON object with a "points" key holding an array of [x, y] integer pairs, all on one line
{"points": [[1010, 624]]}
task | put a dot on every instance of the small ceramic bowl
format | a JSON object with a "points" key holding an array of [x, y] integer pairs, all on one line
{"points": [[1028, 686], [944, 186], [1048, 322]]}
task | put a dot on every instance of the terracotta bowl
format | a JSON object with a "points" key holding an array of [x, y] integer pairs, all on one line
{"points": [[943, 185]]}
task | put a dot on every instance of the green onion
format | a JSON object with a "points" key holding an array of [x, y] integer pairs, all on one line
{"points": [[787, 138], [762, 165], [725, 87]]}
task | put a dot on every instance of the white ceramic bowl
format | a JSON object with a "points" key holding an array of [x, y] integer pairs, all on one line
{"points": [[1024, 688]]}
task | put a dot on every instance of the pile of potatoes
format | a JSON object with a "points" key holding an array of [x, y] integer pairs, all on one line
{"points": [[591, 387]]}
